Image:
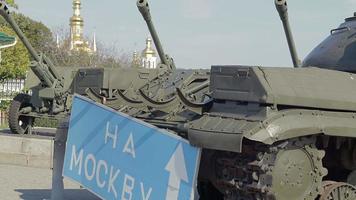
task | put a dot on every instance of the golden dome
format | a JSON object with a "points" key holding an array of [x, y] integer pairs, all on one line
{"points": [[148, 51], [76, 2]]}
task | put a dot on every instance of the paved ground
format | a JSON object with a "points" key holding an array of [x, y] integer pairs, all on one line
{"points": [[17, 182], [34, 184]]}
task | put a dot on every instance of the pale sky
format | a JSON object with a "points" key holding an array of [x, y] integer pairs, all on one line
{"points": [[201, 33]]}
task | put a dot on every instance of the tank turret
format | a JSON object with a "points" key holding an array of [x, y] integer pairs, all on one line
{"points": [[282, 9], [144, 9], [338, 50]]}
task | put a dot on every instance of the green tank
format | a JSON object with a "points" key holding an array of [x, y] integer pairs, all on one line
{"points": [[266, 132], [271, 133]]}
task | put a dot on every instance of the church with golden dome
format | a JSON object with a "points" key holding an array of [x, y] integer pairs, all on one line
{"points": [[149, 59], [77, 41]]}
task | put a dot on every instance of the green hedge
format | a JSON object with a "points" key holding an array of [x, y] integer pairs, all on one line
{"points": [[45, 122], [4, 105]]}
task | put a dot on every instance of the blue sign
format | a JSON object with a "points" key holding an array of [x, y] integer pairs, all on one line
{"points": [[118, 157]]}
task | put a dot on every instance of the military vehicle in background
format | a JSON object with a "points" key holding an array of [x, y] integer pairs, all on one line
{"points": [[276, 133], [127, 89]]}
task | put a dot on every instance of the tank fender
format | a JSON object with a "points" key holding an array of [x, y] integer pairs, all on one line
{"points": [[296, 123], [227, 133]]}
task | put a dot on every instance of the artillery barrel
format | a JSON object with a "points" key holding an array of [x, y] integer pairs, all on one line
{"points": [[42, 67], [282, 9], [4, 11], [143, 7]]}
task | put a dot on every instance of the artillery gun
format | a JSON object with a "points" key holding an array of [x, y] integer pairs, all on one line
{"points": [[171, 99], [51, 91], [131, 90], [276, 133], [51, 87]]}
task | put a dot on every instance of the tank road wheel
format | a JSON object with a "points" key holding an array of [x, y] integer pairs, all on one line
{"points": [[293, 170], [20, 124], [290, 170], [338, 191]]}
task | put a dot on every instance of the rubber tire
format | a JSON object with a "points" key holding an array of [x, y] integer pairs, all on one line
{"points": [[20, 101]]}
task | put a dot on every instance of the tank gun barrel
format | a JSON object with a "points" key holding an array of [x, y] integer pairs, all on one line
{"points": [[144, 9], [42, 67], [282, 9]]}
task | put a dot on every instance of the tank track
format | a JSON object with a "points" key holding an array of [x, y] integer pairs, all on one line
{"points": [[257, 173]]}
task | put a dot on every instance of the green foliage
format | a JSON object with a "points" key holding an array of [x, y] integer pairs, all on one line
{"points": [[11, 3], [39, 35], [45, 122], [14, 59], [4, 105]]}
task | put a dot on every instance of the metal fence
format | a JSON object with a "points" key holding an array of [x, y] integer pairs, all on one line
{"points": [[9, 88]]}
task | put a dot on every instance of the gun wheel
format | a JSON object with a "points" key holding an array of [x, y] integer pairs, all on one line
{"points": [[338, 191], [20, 124]]}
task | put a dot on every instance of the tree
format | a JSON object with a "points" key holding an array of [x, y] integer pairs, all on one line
{"points": [[39, 35], [14, 59], [11, 3], [106, 56]]}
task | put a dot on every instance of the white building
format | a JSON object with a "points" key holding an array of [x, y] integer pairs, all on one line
{"points": [[149, 59]]}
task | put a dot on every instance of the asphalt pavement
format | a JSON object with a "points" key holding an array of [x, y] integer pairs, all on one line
{"points": [[19, 182], [35, 184]]}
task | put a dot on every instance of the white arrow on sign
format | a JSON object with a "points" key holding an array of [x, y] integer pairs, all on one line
{"points": [[177, 172]]}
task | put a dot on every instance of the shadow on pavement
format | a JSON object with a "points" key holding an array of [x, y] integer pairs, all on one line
{"points": [[70, 194]]}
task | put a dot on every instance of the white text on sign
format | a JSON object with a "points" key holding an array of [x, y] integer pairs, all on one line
{"points": [[105, 175]]}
